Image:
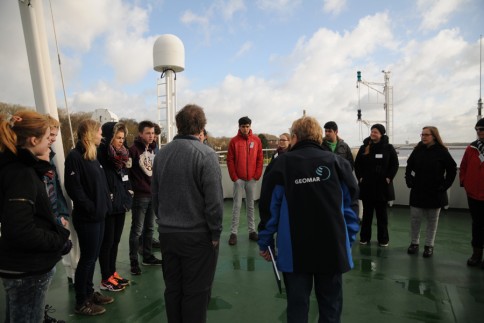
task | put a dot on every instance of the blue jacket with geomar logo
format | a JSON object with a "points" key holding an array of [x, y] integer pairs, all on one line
{"points": [[313, 209]]}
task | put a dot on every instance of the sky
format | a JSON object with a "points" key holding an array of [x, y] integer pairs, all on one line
{"points": [[266, 59]]}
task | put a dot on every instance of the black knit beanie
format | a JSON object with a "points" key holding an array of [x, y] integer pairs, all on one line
{"points": [[379, 127]]}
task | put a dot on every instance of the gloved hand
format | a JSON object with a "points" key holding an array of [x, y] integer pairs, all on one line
{"points": [[67, 247]]}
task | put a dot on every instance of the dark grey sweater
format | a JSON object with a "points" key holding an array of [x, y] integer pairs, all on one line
{"points": [[187, 188]]}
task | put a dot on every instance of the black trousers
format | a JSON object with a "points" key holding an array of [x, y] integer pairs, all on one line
{"points": [[189, 261], [476, 208], [113, 229], [380, 208]]}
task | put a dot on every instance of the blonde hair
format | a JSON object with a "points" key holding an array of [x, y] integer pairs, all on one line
{"points": [[22, 125], [53, 123], [307, 128], [86, 134]]}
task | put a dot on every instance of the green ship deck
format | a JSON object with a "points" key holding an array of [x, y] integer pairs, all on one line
{"points": [[386, 285]]}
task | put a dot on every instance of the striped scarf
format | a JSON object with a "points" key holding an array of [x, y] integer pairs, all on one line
{"points": [[119, 157]]}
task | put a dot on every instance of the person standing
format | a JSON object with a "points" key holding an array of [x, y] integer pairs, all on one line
{"points": [[314, 213], [244, 163], [113, 155], [142, 154], [376, 165], [59, 204], [334, 143], [31, 242], [86, 185], [188, 202], [471, 177], [430, 172]]}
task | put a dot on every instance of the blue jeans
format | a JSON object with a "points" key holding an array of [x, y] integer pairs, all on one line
{"points": [[329, 293], [143, 222], [90, 239], [26, 297]]}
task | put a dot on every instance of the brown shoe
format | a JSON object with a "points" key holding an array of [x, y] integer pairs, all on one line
{"points": [[233, 239], [89, 308], [253, 236], [100, 299]]}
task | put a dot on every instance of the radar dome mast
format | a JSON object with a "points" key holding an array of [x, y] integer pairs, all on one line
{"points": [[168, 59]]}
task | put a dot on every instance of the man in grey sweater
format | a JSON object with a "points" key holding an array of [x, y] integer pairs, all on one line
{"points": [[187, 196]]}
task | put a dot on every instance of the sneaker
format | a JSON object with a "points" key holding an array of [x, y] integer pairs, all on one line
{"points": [[152, 261], [156, 244], [121, 281], [89, 308], [135, 270], [253, 236], [384, 245], [363, 243], [428, 251], [412, 249], [233, 239], [47, 318], [111, 285], [99, 299]]}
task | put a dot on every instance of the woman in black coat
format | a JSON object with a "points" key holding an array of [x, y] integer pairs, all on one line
{"points": [[430, 171], [376, 165], [113, 155]]}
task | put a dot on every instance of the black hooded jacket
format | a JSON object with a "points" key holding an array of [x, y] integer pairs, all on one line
{"points": [[31, 241], [118, 182]]}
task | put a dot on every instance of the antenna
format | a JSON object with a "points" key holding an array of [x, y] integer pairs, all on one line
{"points": [[479, 102]]}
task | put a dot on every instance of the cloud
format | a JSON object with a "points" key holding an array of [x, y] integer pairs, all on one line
{"points": [[281, 6], [435, 13], [334, 6], [246, 47]]}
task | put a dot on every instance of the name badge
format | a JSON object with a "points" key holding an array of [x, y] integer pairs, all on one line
{"points": [[251, 145], [125, 178], [378, 155]]}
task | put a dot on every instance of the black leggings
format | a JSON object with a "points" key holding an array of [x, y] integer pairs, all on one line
{"points": [[109, 248]]}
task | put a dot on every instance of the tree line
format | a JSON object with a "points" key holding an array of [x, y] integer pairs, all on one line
{"points": [[218, 143]]}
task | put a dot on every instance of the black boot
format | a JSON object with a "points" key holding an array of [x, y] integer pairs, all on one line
{"points": [[476, 257], [47, 318]]}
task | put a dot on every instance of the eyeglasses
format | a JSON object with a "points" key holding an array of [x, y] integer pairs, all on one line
{"points": [[425, 134], [479, 128]]}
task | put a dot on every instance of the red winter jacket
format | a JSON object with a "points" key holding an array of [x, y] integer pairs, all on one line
{"points": [[244, 158], [472, 173]]}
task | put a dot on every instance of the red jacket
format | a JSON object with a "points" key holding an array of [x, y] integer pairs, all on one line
{"points": [[244, 158], [472, 173]]}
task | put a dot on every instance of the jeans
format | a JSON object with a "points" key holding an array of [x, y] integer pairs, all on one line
{"points": [[432, 216], [189, 261], [143, 222], [113, 230], [380, 208], [90, 236], [25, 297], [329, 293], [239, 187]]}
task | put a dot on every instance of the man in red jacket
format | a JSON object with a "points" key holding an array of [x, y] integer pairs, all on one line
{"points": [[244, 162]]}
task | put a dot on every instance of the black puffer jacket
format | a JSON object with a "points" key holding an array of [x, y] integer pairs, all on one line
{"points": [[430, 172], [373, 169], [31, 241], [118, 182]]}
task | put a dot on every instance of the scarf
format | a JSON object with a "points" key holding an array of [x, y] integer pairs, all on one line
{"points": [[119, 157]]}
